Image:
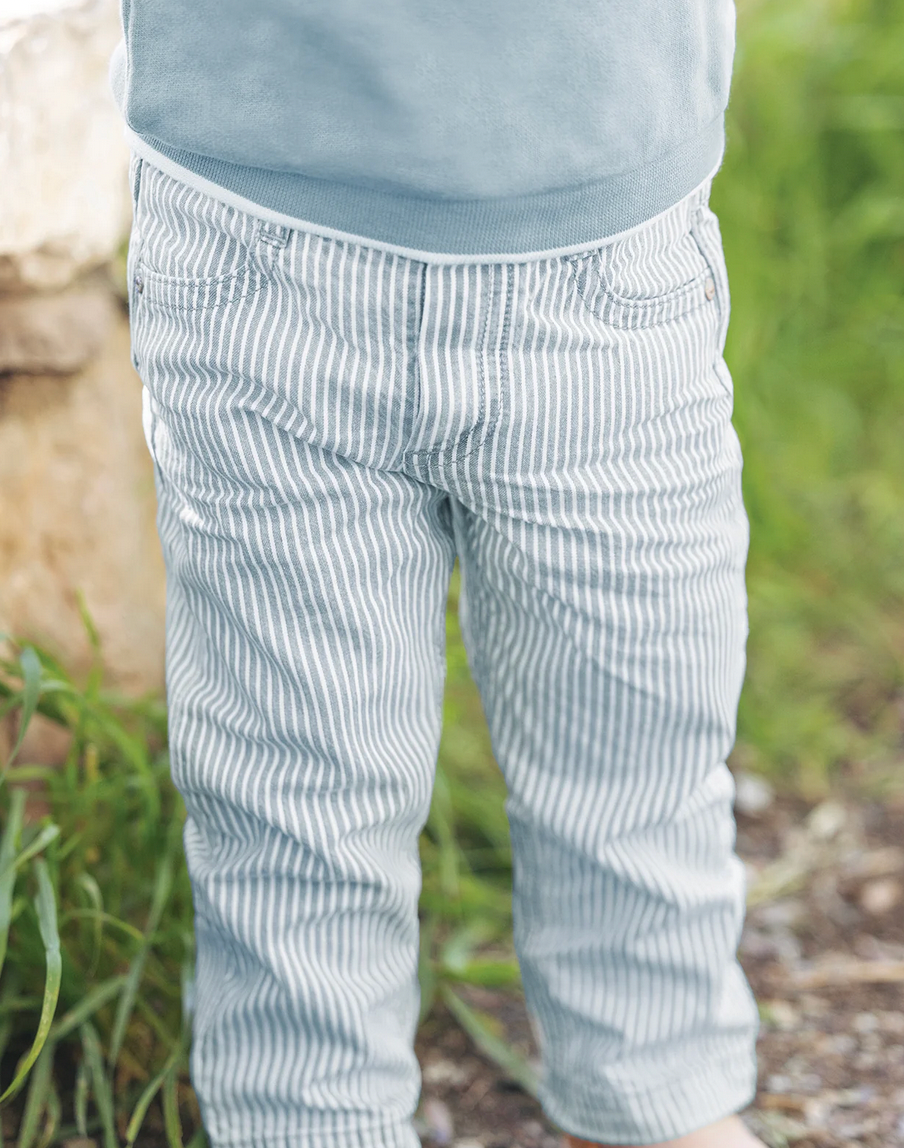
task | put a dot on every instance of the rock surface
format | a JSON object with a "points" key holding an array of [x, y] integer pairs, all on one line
{"points": [[77, 512], [64, 195], [53, 333]]}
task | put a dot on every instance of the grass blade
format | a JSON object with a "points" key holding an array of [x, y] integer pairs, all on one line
{"points": [[93, 892], [54, 1110], [80, 1098], [8, 846], [87, 1006], [95, 674], [116, 922], [171, 1121], [477, 1026], [199, 1140], [486, 972], [31, 692], [45, 906], [143, 1102], [42, 839], [103, 1093], [37, 1097], [30, 772], [458, 950], [162, 887], [441, 823]]}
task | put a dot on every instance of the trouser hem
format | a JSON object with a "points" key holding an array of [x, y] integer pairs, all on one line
{"points": [[375, 1136], [646, 1116]]}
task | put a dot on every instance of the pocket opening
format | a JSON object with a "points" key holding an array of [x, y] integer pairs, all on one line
{"points": [[653, 276]]}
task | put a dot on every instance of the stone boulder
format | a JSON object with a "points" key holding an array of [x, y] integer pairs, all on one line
{"points": [[54, 332], [77, 513], [64, 194]]}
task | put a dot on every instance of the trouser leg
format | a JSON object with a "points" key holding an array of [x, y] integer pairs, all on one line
{"points": [[304, 676], [306, 593], [602, 539]]}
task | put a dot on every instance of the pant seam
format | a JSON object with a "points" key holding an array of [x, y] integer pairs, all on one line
{"points": [[694, 1073]]}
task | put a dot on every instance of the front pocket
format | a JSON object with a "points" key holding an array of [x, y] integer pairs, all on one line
{"points": [[175, 294], [196, 253], [653, 276]]}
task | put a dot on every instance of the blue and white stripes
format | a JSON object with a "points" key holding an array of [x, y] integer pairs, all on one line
{"points": [[331, 424]]}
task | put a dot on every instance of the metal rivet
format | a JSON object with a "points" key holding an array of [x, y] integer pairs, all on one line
{"points": [[139, 284], [710, 288]]}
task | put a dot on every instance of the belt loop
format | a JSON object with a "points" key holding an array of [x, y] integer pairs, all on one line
{"points": [[137, 163], [275, 234]]}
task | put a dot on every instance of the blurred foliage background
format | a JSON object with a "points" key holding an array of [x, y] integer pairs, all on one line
{"points": [[95, 905], [811, 201]]}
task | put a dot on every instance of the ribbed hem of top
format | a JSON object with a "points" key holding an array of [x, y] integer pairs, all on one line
{"points": [[501, 230]]}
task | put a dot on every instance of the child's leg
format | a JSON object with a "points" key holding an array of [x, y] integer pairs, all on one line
{"points": [[305, 661], [602, 544], [305, 674]]}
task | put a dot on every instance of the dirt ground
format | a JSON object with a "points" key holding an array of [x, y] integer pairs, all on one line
{"points": [[823, 949]]}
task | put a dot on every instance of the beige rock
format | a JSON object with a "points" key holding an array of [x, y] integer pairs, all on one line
{"points": [[77, 512], [49, 333], [45, 742], [64, 196], [753, 795], [445, 1072], [439, 1121], [826, 820], [880, 896]]}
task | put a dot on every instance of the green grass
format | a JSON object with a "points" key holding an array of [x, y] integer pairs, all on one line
{"points": [[99, 909], [811, 201], [95, 904]]}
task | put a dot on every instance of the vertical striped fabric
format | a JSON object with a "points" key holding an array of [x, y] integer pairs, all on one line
{"points": [[331, 424]]}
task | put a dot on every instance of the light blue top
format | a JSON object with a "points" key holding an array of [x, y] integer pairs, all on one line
{"points": [[469, 129]]}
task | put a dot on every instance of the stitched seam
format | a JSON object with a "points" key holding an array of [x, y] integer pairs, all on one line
{"points": [[205, 306], [733, 1074], [677, 295], [711, 263], [637, 307], [639, 304], [718, 298], [598, 263], [331, 1137], [503, 346], [178, 281], [151, 276], [436, 451]]}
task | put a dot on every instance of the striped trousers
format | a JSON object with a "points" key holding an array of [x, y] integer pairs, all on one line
{"points": [[332, 424]]}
